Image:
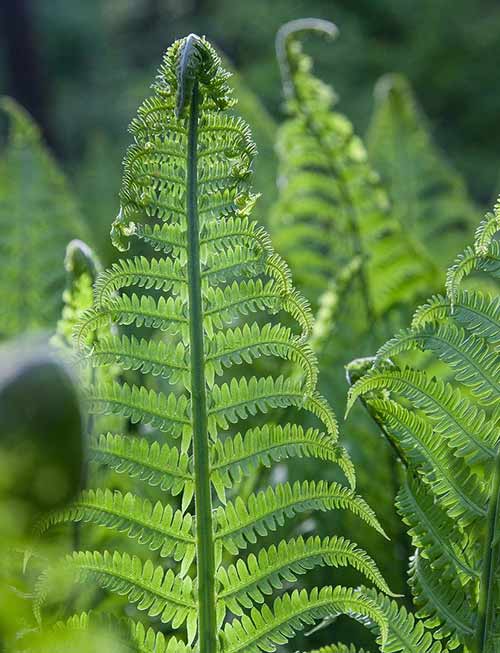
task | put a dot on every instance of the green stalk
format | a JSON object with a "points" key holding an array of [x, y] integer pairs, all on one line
{"points": [[487, 588], [207, 622]]}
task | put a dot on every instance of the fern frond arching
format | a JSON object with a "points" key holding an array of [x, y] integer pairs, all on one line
{"points": [[444, 422], [38, 217], [185, 321]]}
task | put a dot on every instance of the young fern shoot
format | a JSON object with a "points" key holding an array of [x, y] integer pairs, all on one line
{"points": [[211, 299]]}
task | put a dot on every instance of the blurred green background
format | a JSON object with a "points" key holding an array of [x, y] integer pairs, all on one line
{"points": [[81, 68]]}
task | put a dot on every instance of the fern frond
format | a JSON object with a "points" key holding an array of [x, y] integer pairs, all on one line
{"points": [[38, 217], [237, 456], [159, 527], [473, 261], [213, 299], [167, 413], [329, 194], [147, 356], [429, 197], [339, 648], [162, 274], [446, 611], [239, 522], [248, 581], [465, 425], [446, 430], [434, 534], [467, 354], [249, 342], [266, 629], [473, 311], [406, 633], [158, 465], [158, 592]]}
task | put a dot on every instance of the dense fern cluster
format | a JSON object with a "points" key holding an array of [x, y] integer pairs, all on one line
{"points": [[38, 217], [208, 295], [440, 411]]}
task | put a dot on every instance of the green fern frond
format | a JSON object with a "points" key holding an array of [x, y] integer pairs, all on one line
{"points": [[466, 353], [329, 194], [239, 522], [445, 428], [466, 426], [473, 311], [214, 298], [339, 648], [434, 533], [128, 635], [158, 592], [158, 527], [239, 455], [447, 611], [248, 581], [158, 465], [266, 629], [407, 634], [429, 197], [38, 217]]}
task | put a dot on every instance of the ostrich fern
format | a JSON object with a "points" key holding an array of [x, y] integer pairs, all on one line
{"points": [[186, 196], [441, 413], [37, 218]]}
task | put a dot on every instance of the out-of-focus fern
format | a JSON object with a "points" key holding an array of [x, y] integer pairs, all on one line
{"points": [[428, 196], [331, 206], [186, 195], [440, 410], [82, 267], [333, 223], [38, 217]]}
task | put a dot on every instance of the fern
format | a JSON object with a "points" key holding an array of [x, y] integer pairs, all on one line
{"points": [[38, 217], [332, 207], [334, 223], [441, 413], [186, 194], [429, 197]]}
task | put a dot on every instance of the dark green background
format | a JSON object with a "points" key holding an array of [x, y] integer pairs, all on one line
{"points": [[81, 66]]}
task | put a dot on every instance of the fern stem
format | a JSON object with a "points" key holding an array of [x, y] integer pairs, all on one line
{"points": [[207, 623], [487, 592]]}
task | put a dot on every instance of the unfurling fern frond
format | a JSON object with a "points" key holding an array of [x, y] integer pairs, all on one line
{"points": [[38, 217], [210, 301], [361, 271], [82, 267], [429, 198], [440, 409], [331, 207]]}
